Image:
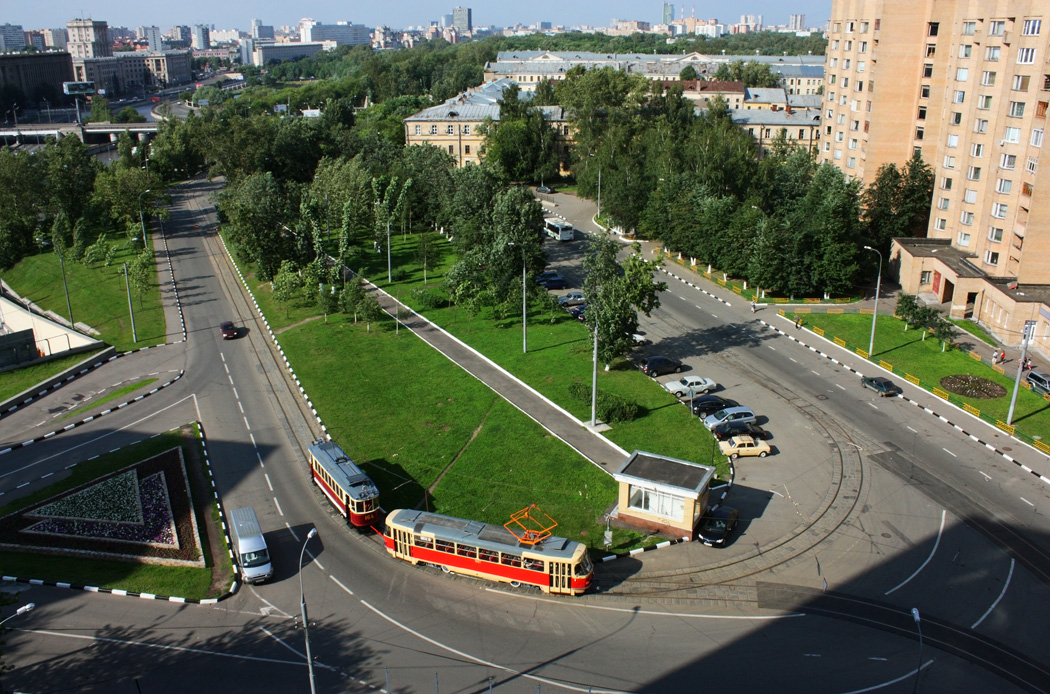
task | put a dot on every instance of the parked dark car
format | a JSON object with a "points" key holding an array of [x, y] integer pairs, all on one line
{"points": [[546, 275], [708, 404], [579, 312], [658, 366], [883, 386], [716, 525], [544, 189], [228, 330], [724, 432], [556, 282]]}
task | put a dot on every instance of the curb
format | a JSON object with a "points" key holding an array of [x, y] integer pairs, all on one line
{"points": [[174, 284], [122, 405], [151, 596], [992, 448]]}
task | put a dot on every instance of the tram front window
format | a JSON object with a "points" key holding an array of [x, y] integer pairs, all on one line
{"points": [[585, 566]]}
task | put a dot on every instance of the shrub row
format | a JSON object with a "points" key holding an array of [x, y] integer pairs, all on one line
{"points": [[610, 408]]}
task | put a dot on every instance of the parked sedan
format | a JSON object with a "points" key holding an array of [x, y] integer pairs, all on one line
{"points": [[573, 298], [579, 312], [228, 330], [658, 366], [726, 431], [556, 282], [690, 386], [882, 386], [743, 446], [707, 404], [716, 525], [729, 414]]}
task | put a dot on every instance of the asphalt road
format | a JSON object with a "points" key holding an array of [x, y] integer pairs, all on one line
{"points": [[890, 521]]}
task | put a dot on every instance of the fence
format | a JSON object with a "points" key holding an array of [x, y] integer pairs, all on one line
{"points": [[941, 393]]}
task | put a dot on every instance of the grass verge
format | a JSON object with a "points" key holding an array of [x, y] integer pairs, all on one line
{"points": [[109, 397], [14, 382]]}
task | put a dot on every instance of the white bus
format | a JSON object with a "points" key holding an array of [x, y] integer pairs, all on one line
{"points": [[559, 231]]}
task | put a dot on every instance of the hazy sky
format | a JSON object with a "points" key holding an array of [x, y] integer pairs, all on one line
{"points": [[396, 14]]}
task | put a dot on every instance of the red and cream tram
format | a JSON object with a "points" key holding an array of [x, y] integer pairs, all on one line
{"points": [[350, 490], [554, 565]]}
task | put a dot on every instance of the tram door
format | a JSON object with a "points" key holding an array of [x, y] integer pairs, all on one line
{"points": [[402, 543], [561, 576]]}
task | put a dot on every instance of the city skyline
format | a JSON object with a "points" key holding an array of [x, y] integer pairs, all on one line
{"points": [[396, 14]]}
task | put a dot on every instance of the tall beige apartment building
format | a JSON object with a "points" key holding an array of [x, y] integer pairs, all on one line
{"points": [[967, 85]]}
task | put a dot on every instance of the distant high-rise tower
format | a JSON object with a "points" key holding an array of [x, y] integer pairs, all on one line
{"points": [[151, 35], [12, 38], [201, 37], [797, 22], [668, 13], [461, 20], [88, 39]]}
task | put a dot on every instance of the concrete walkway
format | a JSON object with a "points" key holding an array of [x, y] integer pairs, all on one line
{"points": [[590, 444]]}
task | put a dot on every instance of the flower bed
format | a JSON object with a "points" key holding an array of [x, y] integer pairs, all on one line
{"points": [[141, 513]]}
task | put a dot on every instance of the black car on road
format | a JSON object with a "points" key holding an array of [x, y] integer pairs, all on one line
{"points": [[709, 404], [716, 525], [658, 366], [726, 431], [883, 386]]}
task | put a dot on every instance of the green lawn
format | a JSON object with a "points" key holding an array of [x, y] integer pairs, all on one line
{"points": [[14, 382], [142, 578], [110, 396], [908, 353], [98, 296]]}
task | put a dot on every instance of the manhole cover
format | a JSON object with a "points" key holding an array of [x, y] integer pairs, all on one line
{"points": [[887, 535], [822, 397], [1006, 448]]}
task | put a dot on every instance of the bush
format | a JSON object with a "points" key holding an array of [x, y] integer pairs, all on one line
{"points": [[398, 274], [611, 408], [426, 298]]}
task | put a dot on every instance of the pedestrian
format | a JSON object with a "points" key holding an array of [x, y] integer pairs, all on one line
{"points": [[752, 306], [1028, 364], [798, 322], [1002, 356], [995, 357]]}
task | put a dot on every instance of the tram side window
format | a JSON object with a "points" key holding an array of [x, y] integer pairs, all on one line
{"points": [[445, 546], [488, 555], [534, 564], [467, 551], [426, 542], [510, 560]]}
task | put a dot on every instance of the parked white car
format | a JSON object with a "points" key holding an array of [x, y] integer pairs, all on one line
{"points": [[690, 386]]}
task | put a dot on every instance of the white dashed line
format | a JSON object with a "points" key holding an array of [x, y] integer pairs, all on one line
{"points": [[911, 430], [987, 477], [240, 406], [793, 359], [872, 657], [949, 453], [873, 406], [268, 483], [772, 347], [223, 356], [278, 505], [339, 583], [226, 366], [1022, 499], [247, 424], [816, 373], [840, 387], [252, 437], [228, 376], [235, 394]]}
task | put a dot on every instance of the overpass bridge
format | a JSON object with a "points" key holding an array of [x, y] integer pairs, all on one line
{"points": [[88, 133]]}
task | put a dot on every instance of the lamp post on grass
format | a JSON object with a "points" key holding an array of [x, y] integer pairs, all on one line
{"points": [[524, 304], [302, 606], [875, 311], [142, 220]]}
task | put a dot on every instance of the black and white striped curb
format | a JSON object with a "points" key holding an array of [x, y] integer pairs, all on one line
{"points": [[174, 284], [222, 514], [991, 447], [149, 596], [694, 286], [273, 336], [72, 377], [92, 418]]}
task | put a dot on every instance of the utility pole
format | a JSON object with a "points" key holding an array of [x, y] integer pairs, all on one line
{"points": [[1029, 328], [131, 309]]}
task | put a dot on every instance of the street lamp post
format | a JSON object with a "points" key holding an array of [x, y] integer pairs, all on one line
{"points": [[142, 220], [48, 111], [875, 311], [65, 285], [389, 267], [918, 625], [14, 112], [599, 189], [524, 304], [594, 379], [302, 606], [28, 607]]}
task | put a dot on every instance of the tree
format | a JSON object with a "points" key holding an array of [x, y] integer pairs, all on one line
{"points": [[287, 284], [253, 209], [426, 250], [916, 195], [70, 174], [906, 307], [944, 330], [687, 74], [351, 296], [141, 271], [99, 110], [370, 310]]}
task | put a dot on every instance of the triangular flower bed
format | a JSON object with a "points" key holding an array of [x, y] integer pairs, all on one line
{"points": [[141, 513]]}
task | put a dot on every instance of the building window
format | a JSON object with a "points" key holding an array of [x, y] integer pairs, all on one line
{"points": [[991, 257], [970, 196], [927, 70], [1037, 138], [973, 173], [851, 162], [946, 183], [963, 239], [466, 129], [977, 150], [955, 118], [969, 28], [992, 53], [966, 218], [988, 78], [835, 45], [920, 133], [1026, 189], [922, 113], [849, 27], [965, 50], [959, 96], [1020, 83], [953, 140], [1040, 108], [845, 82], [962, 74], [451, 149], [1007, 161], [984, 102], [853, 144], [801, 133], [995, 234], [949, 162], [1017, 109], [931, 50], [655, 502], [1012, 135], [863, 27], [419, 130], [996, 28], [1003, 185], [450, 129], [1031, 165], [942, 203], [925, 276], [939, 224], [466, 149], [1025, 56], [1031, 27], [999, 210], [931, 28], [980, 126], [863, 47]]}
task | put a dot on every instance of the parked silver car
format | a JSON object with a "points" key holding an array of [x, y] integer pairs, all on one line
{"points": [[729, 414]]}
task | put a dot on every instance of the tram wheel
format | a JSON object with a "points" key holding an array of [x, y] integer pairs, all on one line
{"points": [[515, 584], [446, 569]]}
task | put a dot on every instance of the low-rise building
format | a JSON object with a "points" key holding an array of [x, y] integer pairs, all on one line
{"points": [[661, 494], [132, 71], [767, 125]]}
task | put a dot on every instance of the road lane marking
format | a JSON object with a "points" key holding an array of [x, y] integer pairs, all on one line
{"points": [[1022, 499], [911, 430], [923, 566], [949, 453], [772, 347], [873, 406], [290, 648], [268, 483], [1006, 585], [235, 394], [815, 372], [340, 584], [793, 359], [223, 357], [247, 424], [278, 505], [839, 387], [986, 476], [240, 406], [903, 678]]}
